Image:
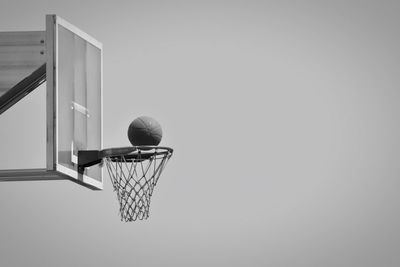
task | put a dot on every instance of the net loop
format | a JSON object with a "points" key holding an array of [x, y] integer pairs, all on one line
{"points": [[134, 176]]}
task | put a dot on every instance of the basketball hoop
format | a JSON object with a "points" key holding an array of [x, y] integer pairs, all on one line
{"points": [[134, 172]]}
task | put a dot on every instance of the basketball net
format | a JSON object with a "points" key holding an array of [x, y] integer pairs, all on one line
{"points": [[134, 177]]}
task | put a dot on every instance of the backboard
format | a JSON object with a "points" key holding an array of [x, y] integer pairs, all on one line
{"points": [[70, 61], [74, 100]]}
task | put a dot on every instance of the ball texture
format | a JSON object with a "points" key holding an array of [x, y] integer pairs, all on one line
{"points": [[144, 131]]}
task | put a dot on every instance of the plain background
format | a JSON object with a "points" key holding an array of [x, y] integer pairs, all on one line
{"points": [[284, 117]]}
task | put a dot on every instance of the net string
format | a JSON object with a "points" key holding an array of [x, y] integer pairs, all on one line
{"points": [[134, 180]]}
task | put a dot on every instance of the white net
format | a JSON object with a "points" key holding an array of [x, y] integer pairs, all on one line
{"points": [[134, 177]]}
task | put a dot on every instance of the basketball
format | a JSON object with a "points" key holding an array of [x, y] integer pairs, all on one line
{"points": [[144, 131]]}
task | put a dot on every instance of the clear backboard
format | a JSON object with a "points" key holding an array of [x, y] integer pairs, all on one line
{"points": [[70, 61], [74, 100]]}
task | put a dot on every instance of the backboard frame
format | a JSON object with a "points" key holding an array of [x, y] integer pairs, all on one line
{"points": [[52, 39]]}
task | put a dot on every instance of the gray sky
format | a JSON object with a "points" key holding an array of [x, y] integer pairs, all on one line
{"points": [[284, 117]]}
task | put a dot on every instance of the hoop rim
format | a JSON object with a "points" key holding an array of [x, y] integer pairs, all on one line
{"points": [[125, 151]]}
